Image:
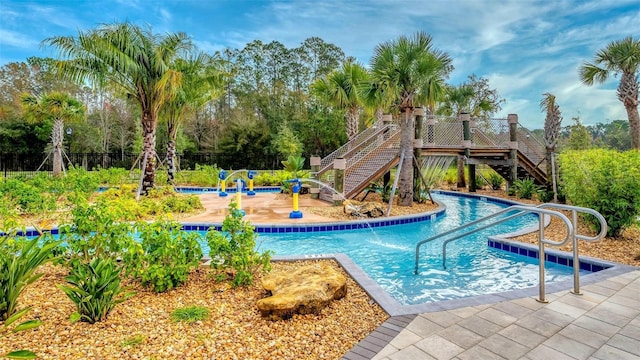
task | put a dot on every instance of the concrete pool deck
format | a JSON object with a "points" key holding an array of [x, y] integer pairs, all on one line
{"points": [[603, 323]]}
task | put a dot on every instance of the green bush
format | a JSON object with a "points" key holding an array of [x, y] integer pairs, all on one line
{"points": [[29, 199], [525, 188], [19, 259], [607, 181], [97, 231], [235, 248], [495, 180], [95, 289], [169, 255]]}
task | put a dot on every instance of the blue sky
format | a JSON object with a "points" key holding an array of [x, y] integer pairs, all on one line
{"points": [[524, 47]]}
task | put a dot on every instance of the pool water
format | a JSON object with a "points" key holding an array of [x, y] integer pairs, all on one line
{"points": [[387, 255]]}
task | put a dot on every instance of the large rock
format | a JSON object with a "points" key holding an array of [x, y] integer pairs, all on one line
{"points": [[304, 291], [363, 209]]}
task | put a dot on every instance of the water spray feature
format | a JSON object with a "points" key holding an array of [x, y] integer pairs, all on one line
{"points": [[239, 186], [222, 177], [435, 168], [251, 174], [296, 213]]}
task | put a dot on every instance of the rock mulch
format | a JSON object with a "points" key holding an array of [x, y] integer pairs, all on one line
{"points": [[140, 328]]}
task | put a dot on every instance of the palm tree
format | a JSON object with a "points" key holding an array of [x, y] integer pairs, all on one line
{"points": [[134, 59], [201, 83], [56, 107], [406, 68], [620, 56], [552, 124], [340, 89]]}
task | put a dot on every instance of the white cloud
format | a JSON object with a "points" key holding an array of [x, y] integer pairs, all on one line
{"points": [[15, 39]]}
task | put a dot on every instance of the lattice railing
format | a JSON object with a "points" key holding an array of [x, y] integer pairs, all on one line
{"points": [[441, 131], [531, 147], [489, 133], [362, 139]]}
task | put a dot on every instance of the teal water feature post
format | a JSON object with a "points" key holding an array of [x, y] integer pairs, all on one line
{"points": [[251, 174], [513, 146], [222, 175], [295, 213], [466, 142]]}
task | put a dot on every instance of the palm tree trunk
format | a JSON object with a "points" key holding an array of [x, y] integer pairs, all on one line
{"points": [[149, 149], [352, 123], [405, 194], [634, 125], [57, 134], [628, 95], [171, 161]]}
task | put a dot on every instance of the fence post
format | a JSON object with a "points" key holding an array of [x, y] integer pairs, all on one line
{"points": [[315, 167], [339, 165], [513, 146]]}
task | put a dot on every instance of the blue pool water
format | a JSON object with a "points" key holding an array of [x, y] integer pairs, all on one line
{"points": [[387, 255]]}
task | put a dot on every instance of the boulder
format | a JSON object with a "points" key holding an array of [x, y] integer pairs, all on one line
{"points": [[305, 291], [363, 209]]}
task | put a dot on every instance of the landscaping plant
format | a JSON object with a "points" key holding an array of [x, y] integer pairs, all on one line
{"points": [[95, 289], [607, 181], [495, 180], [525, 188], [235, 248], [190, 314], [169, 255]]}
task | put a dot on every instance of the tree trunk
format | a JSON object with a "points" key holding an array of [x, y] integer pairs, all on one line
{"points": [[634, 126], [628, 95], [57, 134], [352, 123], [462, 183], [405, 193], [149, 149], [171, 162]]}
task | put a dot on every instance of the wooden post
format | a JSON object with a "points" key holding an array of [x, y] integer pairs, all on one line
{"points": [[417, 152], [315, 167], [513, 145], [466, 142], [461, 178], [339, 165]]}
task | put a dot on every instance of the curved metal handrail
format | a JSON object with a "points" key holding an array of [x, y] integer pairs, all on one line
{"points": [[523, 210], [574, 221]]}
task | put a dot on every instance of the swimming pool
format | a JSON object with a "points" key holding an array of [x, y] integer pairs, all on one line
{"points": [[387, 254]]}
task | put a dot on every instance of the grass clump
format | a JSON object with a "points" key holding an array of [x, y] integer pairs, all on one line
{"points": [[190, 314]]}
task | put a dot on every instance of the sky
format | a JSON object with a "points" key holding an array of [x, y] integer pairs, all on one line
{"points": [[525, 48]]}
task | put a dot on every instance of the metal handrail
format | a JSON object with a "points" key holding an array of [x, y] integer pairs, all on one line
{"points": [[574, 221], [523, 210]]}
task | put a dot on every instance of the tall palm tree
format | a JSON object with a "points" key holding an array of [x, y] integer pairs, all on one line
{"points": [[340, 89], [620, 56], [406, 67], [552, 124], [134, 59], [202, 81], [56, 107]]}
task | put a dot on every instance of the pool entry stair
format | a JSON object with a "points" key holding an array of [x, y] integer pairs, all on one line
{"points": [[502, 144], [542, 211]]}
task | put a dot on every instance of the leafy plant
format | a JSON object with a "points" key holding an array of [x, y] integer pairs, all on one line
{"points": [[495, 180], [234, 248], [606, 181], [190, 314], [19, 259], [169, 255], [525, 188], [294, 164], [133, 340], [29, 324], [95, 289]]}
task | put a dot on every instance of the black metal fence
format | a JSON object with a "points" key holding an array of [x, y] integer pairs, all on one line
{"points": [[12, 165]]}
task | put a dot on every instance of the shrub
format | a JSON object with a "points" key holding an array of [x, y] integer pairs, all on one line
{"points": [[97, 232], [95, 289], [525, 188], [169, 255], [19, 259], [606, 181], [190, 314], [495, 180], [234, 248]]}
